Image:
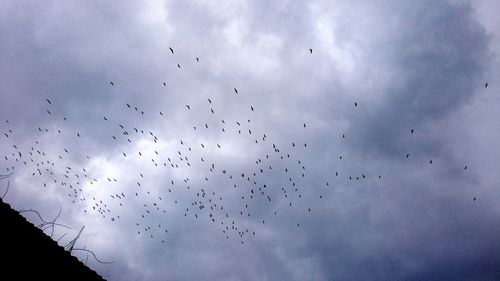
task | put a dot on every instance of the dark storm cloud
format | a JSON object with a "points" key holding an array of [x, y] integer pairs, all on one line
{"points": [[407, 65], [437, 59]]}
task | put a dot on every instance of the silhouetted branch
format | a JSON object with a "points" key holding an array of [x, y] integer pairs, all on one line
{"points": [[71, 244], [95, 257], [46, 224], [61, 237], [70, 247], [2, 177], [6, 190]]}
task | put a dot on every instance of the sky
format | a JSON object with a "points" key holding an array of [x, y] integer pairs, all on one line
{"points": [[258, 140]]}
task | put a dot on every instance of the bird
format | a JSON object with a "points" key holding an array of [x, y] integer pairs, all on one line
{"points": [[486, 85], [355, 104], [188, 107], [251, 107], [474, 199], [310, 50], [111, 82], [197, 59], [465, 168], [48, 101], [412, 131], [178, 65], [105, 119], [171, 50], [164, 84], [235, 90]]}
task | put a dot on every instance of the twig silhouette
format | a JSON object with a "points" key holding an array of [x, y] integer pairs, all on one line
{"points": [[70, 247], [46, 224], [71, 244], [61, 237], [95, 257], [2, 177]]}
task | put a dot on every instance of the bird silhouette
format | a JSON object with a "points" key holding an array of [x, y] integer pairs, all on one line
{"points": [[171, 50]]}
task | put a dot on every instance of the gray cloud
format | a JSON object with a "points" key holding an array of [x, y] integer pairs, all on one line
{"points": [[375, 214]]}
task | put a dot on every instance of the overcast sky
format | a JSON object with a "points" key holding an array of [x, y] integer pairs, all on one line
{"points": [[258, 140]]}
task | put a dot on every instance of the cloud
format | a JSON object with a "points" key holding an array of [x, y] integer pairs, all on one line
{"points": [[334, 199]]}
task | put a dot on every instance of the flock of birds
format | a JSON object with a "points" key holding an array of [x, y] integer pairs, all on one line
{"points": [[200, 177]]}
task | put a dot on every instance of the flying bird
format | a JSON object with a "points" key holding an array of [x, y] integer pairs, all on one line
{"points": [[48, 101], [235, 90], [310, 51], [171, 50], [111, 82], [197, 60], [486, 85]]}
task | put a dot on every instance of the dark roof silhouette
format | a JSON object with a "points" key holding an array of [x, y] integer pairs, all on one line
{"points": [[27, 253]]}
